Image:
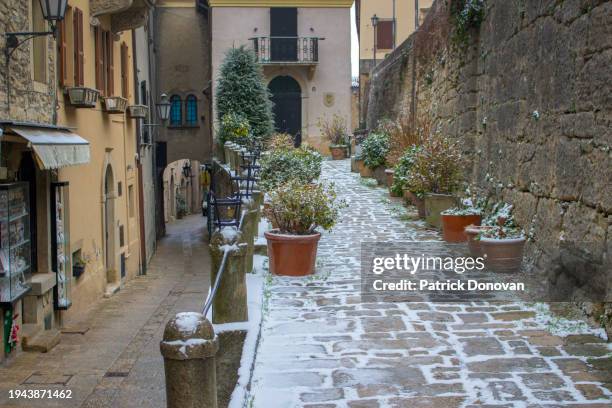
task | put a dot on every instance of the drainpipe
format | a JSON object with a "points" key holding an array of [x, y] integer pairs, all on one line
{"points": [[394, 26], [414, 66]]}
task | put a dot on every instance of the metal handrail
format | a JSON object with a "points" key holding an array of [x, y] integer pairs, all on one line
{"points": [[213, 292]]}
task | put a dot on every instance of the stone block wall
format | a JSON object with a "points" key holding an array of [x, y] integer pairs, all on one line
{"points": [[529, 94], [30, 101]]}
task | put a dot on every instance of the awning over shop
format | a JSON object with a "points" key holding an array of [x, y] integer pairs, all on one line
{"points": [[55, 148]]}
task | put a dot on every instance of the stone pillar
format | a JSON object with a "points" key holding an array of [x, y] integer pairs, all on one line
{"points": [[248, 234], [230, 302], [188, 348], [258, 200]]}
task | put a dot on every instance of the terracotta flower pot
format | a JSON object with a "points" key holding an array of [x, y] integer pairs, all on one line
{"points": [[365, 171], [389, 173], [471, 232], [503, 255], [292, 255], [338, 152], [453, 226], [412, 199], [435, 204]]}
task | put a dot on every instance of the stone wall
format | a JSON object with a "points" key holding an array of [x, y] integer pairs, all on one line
{"points": [[529, 95], [30, 101]]}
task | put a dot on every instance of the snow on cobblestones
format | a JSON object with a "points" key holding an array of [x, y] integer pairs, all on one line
{"points": [[322, 346]]}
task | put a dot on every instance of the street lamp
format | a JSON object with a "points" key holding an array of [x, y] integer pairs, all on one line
{"points": [[374, 25], [163, 108], [53, 11]]}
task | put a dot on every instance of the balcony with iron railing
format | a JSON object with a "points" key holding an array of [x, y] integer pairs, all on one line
{"points": [[287, 50]]}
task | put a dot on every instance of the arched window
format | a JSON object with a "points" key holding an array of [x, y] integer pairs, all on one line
{"points": [[176, 111], [191, 111]]}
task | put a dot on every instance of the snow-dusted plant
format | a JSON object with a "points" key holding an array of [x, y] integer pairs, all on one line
{"points": [[374, 150], [503, 222]]}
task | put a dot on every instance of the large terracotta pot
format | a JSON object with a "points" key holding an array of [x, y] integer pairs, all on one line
{"points": [[365, 171], [471, 233], [453, 226], [338, 152], [503, 255], [435, 204], [380, 176], [292, 255], [412, 199]]}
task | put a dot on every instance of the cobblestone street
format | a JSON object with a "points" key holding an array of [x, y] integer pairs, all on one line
{"points": [[111, 358], [323, 347]]}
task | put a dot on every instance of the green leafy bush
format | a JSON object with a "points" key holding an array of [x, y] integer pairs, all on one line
{"points": [[234, 128], [241, 89], [374, 150], [300, 209], [403, 169], [436, 167], [467, 14], [283, 165]]}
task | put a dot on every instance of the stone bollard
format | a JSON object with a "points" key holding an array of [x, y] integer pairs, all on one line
{"points": [[188, 347], [248, 234], [226, 152], [230, 303], [258, 199]]}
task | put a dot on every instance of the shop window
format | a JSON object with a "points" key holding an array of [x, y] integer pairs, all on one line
{"points": [[39, 46], [176, 111], [131, 204], [191, 111]]}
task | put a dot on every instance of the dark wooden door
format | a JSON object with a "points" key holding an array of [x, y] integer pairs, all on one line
{"points": [[283, 30], [287, 99]]}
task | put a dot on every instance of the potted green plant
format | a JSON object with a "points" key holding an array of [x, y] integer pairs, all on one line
{"points": [[502, 244], [287, 163], [401, 171], [489, 221], [79, 264], [374, 150], [298, 210], [336, 133], [436, 172]]}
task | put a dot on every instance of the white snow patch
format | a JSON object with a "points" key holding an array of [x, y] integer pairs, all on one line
{"points": [[187, 322], [185, 344], [563, 327], [229, 233]]}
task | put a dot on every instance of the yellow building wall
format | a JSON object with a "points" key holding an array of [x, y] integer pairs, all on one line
{"points": [[404, 14], [112, 141]]}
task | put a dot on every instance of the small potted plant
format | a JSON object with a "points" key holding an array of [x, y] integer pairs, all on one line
{"points": [[79, 264], [436, 171], [503, 245], [488, 222], [298, 209], [374, 152], [335, 132]]}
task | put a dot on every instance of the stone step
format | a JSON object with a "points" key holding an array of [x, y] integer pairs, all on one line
{"points": [[42, 342]]}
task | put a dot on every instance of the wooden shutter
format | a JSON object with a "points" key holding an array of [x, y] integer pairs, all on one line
{"points": [[99, 38], [124, 70], [62, 54], [384, 35], [79, 55], [110, 65]]}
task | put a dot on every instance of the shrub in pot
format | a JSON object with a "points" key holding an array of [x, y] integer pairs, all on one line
{"points": [[234, 128], [436, 171], [401, 171], [285, 164], [374, 150], [336, 133], [503, 244], [298, 210]]}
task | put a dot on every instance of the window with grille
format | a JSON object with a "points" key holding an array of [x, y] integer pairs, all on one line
{"points": [[191, 111], [176, 111]]}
